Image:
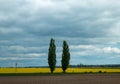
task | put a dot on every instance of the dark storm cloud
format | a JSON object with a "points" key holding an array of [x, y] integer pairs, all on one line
{"points": [[45, 22]]}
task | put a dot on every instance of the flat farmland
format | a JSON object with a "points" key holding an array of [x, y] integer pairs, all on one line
{"points": [[63, 79], [59, 70]]}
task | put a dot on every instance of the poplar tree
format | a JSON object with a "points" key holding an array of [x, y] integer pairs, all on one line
{"points": [[52, 55], [65, 56]]}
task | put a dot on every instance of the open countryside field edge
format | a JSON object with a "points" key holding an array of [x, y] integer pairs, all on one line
{"points": [[58, 71]]}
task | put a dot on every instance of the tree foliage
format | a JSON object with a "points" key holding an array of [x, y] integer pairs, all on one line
{"points": [[65, 56], [52, 55]]}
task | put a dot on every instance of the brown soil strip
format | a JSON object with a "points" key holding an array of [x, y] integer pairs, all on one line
{"points": [[63, 79]]}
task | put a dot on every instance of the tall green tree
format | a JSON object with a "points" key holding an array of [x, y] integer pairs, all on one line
{"points": [[52, 55], [65, 56]]}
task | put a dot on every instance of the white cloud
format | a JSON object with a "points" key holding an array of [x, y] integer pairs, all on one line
{"points": [[17, 48], [82, 47], [24, 49], [84, 50], [35, 54], [40, 3], [16, 58], [30, 55], [111, 50], [80, 53]]}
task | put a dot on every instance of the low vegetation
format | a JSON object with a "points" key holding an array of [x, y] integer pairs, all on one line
{"points": [[59, 70]]}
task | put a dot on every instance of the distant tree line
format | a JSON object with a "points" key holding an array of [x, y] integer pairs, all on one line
{"points": [[52, 56], [96, 66]]}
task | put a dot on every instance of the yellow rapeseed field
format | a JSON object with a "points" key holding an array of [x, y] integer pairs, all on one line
{"points": [[57, 70]]}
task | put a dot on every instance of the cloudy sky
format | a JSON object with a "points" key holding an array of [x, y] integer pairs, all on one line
{"points": [[91, 28]]}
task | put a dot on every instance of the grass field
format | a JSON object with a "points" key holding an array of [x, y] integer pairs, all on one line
{"points": [[58, 70]]}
